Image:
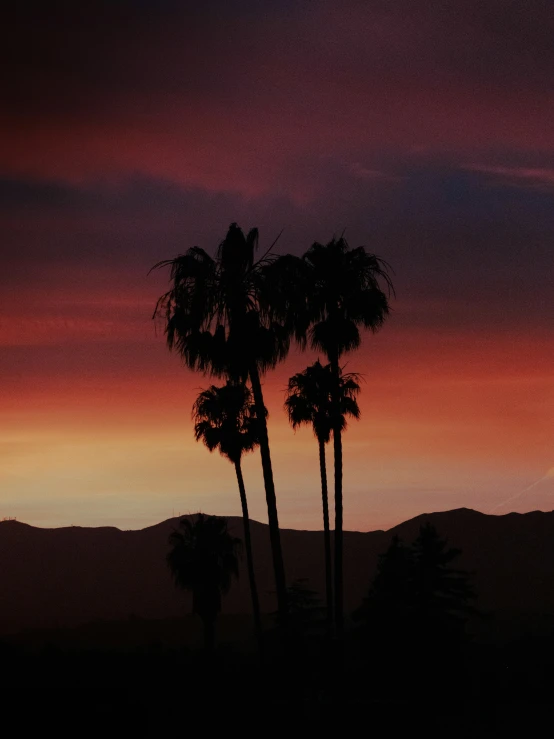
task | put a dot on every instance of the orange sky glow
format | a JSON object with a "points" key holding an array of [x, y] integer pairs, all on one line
{"points": [[426, 136]]}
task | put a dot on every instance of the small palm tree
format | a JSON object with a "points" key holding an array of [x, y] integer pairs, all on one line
{"points": [[225, 419], [203, 559], [308, 401], [216, 318]]}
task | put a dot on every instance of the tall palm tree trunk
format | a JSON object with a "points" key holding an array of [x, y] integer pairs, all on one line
{"points": [[250, 560], [275, 537], [326, 534], [337, 448]]}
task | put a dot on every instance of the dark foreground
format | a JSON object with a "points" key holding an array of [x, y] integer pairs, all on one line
{"points": [[87, 684]]}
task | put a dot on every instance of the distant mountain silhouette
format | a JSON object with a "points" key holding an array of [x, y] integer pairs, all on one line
{"points": [[70, 576]]}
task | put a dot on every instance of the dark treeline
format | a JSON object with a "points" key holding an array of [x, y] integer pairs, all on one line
{"points": [[414, 657], [501, 688]]}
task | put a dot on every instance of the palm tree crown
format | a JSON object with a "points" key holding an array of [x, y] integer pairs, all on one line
{"points": [[308, 399], [344, 295], [225, 419], [213, 312]]}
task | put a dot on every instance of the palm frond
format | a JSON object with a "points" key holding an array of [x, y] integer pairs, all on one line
{"points": [[348, 289], [215, 314]]}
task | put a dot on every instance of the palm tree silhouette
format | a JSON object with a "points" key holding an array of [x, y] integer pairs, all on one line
{"points": [[216, 317], [225, 419], [308, 401], [203, 559], [328, 296]]}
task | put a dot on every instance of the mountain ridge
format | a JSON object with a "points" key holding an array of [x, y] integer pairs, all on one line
{"points": [[462, 509], [67, 576]]}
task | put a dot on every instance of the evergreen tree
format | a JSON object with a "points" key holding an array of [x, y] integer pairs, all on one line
{"points": [[417, 590], [441, 593]]}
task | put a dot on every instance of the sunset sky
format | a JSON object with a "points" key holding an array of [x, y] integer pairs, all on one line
{"points": [[130, 131]]}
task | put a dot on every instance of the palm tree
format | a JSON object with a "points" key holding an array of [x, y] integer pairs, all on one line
{"points": [[308, 401], [215, 318], [326, 297], [203, 559], [225, 419]]}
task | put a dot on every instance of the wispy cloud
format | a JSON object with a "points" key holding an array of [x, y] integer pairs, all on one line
{"points": [[363, 172], [526, 177]]}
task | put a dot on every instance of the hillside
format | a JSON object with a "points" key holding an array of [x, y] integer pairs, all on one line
{"points": [[70, 576]]}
